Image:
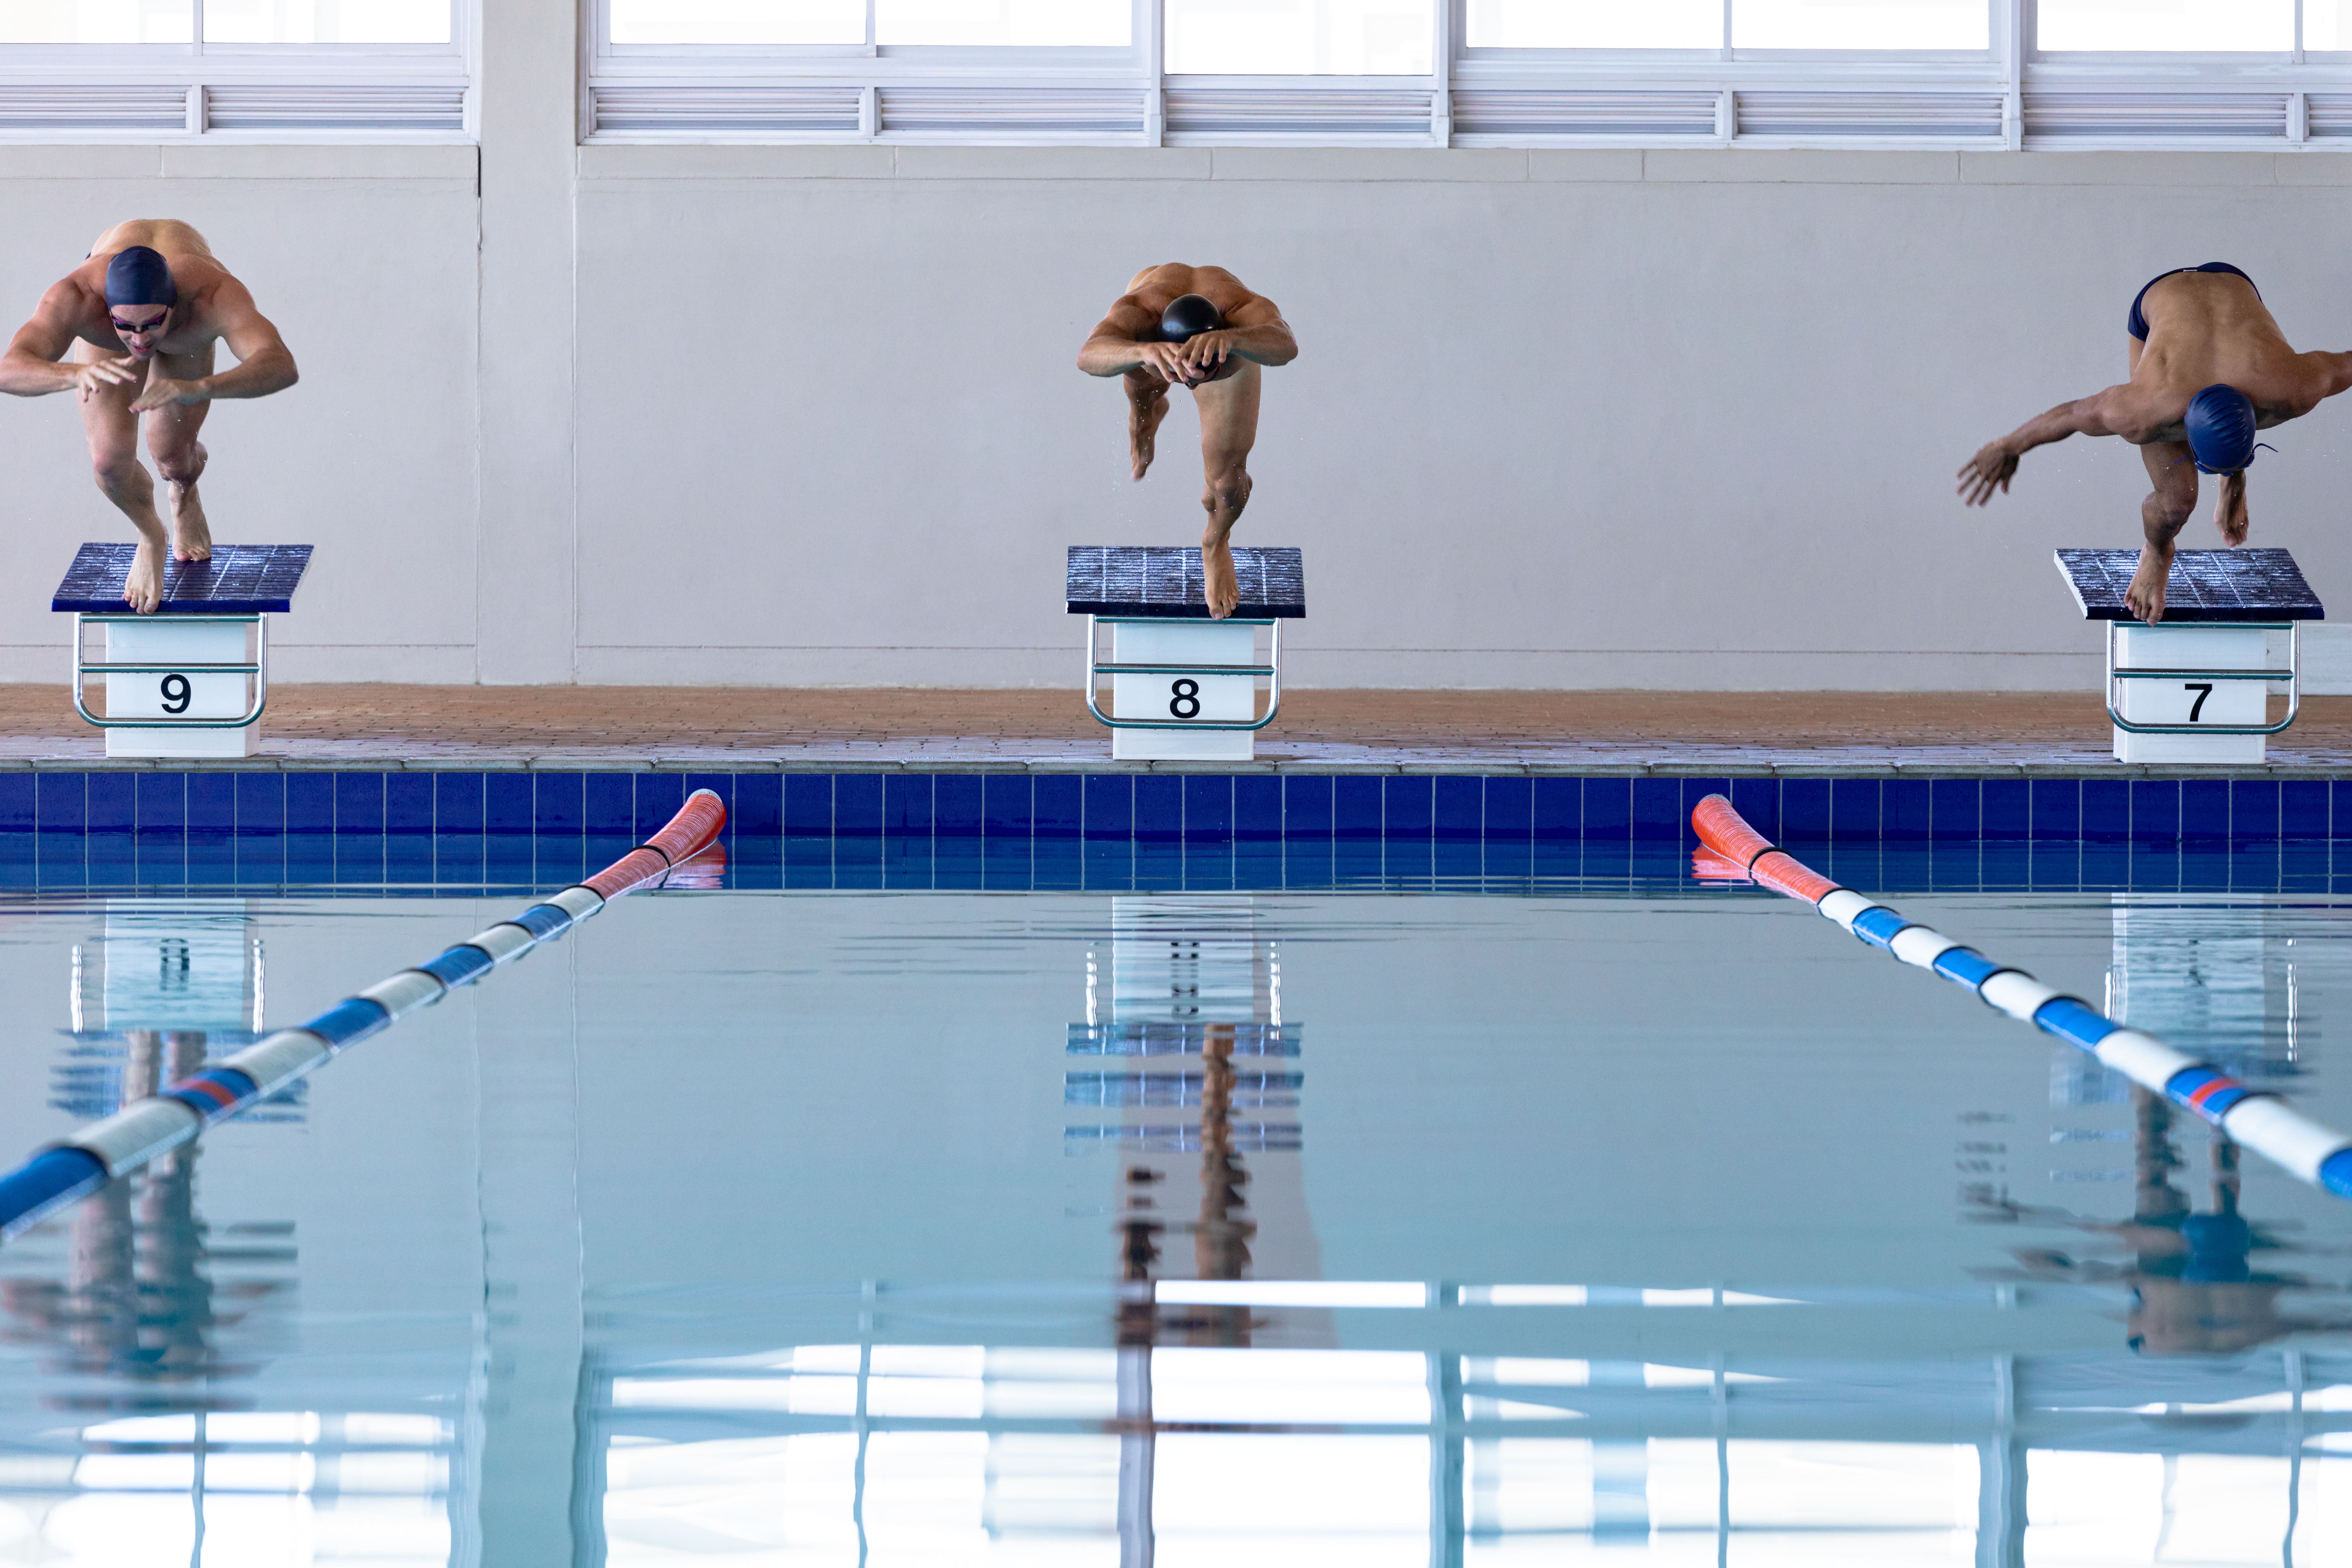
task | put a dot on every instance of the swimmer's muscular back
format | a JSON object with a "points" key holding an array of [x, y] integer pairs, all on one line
{"points": [[1152, 289], [2205, 328], [211, 299]]}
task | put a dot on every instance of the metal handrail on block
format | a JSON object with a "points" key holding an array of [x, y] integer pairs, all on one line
{"points": [[2291, 675], [258, 669], [1272, 669]]}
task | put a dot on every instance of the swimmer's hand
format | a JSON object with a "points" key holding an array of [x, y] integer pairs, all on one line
{"points": [[162, 391], [100, 374], [1987, 472], [1204, 354], [1166, 361]]}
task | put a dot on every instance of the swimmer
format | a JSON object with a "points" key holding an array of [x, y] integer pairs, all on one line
{"points": [[1198, 327], [2209, 368], [152, 287]]}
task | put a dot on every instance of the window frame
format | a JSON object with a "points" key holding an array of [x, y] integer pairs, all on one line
{"points": [[197, 66], [1937, 87]]}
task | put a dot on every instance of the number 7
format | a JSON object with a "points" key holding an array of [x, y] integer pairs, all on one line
{"points": [[2203, 688]]}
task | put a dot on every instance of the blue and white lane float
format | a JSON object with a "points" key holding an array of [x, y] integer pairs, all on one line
{"points": [[76, 1166], [2253, 1118]]}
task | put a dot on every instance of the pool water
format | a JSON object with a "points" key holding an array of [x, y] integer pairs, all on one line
{"points": [[1636, 1222]]}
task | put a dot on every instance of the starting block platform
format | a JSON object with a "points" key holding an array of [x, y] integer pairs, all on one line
{"points": [[1184, 686], [192, 679], [2191, 688]]}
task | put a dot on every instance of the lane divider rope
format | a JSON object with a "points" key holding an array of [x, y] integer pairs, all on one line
{"points": [[2253, 1118], [74, 1167]]}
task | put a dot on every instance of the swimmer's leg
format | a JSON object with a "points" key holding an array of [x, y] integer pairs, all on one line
{"points": [[2229, 513], [113, 434], [2162, 516], [1146, 405], [1228, 431], [180, 456]]}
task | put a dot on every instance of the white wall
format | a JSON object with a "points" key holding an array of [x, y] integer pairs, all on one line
{"points": [[1560, 419]]}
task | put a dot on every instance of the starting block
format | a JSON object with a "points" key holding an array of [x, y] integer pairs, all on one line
{"points": [[190, 680], [1184, 686], [2191, 688]]}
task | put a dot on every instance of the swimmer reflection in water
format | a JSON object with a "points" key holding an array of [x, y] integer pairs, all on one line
{"points": [[1213, 344], [2209, 368], [150, 287]]}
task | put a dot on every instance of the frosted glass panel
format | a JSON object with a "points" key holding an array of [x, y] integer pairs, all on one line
{"points": [[1861, 24], [1301, 38], [737, 21], [1595, 25], [2213, 25], [1100, 23], [97, 21], [326, 21], [2327, 24]]}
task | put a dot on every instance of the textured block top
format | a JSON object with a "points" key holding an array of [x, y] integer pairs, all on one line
{"points": [[239, 580], [1162, 580], [2207, 586]]}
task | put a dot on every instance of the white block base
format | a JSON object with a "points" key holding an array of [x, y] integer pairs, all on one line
{"points": [[1173, 699], [2173, 702], [159, 695]]}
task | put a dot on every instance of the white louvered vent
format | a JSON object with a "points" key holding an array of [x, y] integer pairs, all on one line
{"points": [[336, 107], [1505, 115], [1207, 113], [2125, 116], [1940, 116], [25, 106], [977, 113], [2328, 114], [743, 110]]}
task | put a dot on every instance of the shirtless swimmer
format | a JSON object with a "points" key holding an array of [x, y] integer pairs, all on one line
{"points": [[1198, 327], [2209, 368], [151, 287]]}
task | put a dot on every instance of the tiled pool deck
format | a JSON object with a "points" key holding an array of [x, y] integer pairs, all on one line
{"points": [[744, 730]]}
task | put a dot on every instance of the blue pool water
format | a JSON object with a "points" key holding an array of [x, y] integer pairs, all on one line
{"points": [[1182, 1203]]}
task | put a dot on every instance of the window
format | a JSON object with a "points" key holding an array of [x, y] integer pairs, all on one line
{"points": [[1595, 25], [1010, 24], [1969, 74], [1825, 25], [2147, 26], [748, 21], [1301, 37], [251, 70]]}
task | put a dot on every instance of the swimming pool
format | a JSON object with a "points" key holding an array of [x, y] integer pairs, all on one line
{"points": [[1513, 1208]]}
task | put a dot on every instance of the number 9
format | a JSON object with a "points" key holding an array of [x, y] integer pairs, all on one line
{"points": [[176, 700]]}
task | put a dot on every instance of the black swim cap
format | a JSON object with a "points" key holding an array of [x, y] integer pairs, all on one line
{"points": [[1188, 316], [138, 276]]}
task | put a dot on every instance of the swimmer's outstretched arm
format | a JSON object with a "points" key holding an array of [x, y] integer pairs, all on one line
{"points": [[31, 367], [1255, 330], [2101, 413], [264, 364], [1119, 344]]}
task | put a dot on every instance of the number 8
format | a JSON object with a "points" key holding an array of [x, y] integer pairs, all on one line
{"points": [[1186, 702], [176, 701]]}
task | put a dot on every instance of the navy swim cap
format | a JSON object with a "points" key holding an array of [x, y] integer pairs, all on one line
{"points": [[138, 276], [1187, 317], [2221, 421]]}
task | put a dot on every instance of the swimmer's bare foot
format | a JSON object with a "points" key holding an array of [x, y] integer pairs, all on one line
{"points": [[143, 590], [2145, 597], [1143, 417], [2230, 515], [191, 534], [1218, 585]]}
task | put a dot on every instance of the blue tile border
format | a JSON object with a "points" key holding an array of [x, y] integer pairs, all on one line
{"points": [[1197, 808]]}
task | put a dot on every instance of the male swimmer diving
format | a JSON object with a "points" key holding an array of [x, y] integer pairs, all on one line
{"points": [[153, 287], [2209, 368], [1201, 327]]}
